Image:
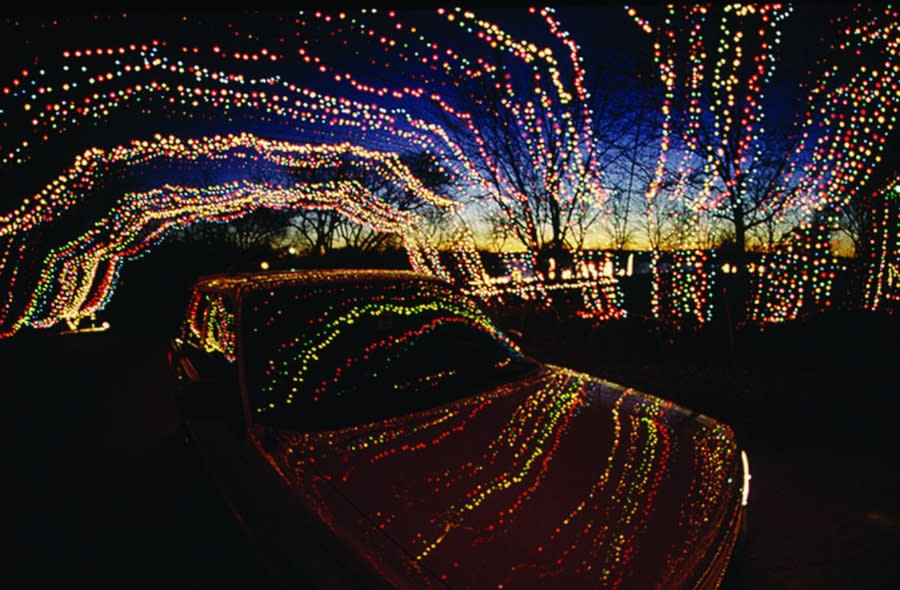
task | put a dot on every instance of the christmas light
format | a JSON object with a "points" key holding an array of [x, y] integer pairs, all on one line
{"points": [[857, 106], [683, 284], [309, 78], [884, 277]]}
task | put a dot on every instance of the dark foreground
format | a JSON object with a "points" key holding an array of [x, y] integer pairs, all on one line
{"points": [[103, 495]]}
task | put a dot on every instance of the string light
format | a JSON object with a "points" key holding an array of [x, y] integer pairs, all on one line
{"points": [[884, 279], [851, 114], [852, 110], [683, 284], [293, 83]]}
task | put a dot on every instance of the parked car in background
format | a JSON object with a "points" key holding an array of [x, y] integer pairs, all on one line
{"points": [[375, 429]]}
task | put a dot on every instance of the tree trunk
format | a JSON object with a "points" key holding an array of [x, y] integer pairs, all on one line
{"points": [[742, 277], [558, 235], [740, 239]]}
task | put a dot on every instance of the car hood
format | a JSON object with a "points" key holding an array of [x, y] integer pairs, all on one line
{"points": [[560, 478]]}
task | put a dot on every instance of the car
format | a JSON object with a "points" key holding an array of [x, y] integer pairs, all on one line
{"points": [[373, 428]]}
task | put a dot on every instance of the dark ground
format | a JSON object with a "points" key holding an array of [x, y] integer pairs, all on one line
{"points": [[104, 496]]}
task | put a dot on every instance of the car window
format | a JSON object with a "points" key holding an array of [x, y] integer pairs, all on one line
{"points": [[323, 357], [210, 325]]}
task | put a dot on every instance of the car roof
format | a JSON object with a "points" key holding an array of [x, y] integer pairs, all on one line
{"points": [[236, 284]]}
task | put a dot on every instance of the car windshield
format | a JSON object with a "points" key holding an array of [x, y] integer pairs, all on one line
{"points": [[323, 357]]}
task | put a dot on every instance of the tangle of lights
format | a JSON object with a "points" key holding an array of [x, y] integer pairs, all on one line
{"points": [[884, 280], [857, 104], [852, 112], [601, 296], [310, 78], [195, 81], [683, 284], [722, 91], [77, 278]]}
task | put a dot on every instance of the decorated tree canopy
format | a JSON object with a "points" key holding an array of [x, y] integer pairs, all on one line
{"points": [[117, 130]]}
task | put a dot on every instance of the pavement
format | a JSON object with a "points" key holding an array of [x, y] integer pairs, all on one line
{"points": [[106, 495]]}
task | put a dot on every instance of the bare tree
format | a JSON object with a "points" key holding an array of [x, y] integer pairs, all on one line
{"points": [[753, 196], [715, 68], [535, 158], [316, 230], [321, 231], [633, 136], [257, 231]]}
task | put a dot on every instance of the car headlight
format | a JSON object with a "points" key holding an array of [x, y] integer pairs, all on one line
{"points": [[745, 490]]}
